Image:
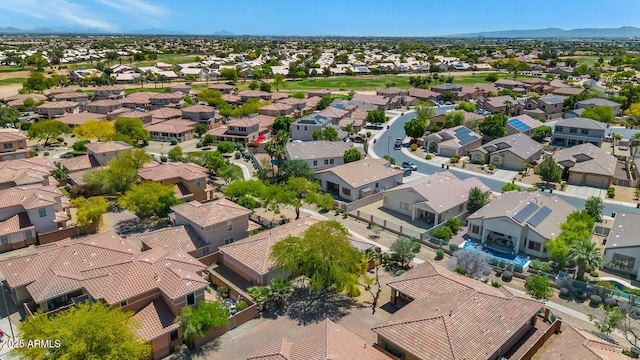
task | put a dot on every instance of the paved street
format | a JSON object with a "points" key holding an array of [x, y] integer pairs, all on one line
{"points": [[384, 146]]}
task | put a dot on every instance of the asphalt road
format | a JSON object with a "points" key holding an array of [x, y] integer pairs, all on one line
{"points": [[384, 146]]}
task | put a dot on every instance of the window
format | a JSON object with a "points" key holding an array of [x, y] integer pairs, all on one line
{"points": [[326, 161], [191, 299], [573, 130], [42, 212], [4, 240], [385, 200], [534, 245], [229, 225], [123, 303], [405, 206], [584, 131], [331, 161], [475, 229], [558, 128], [297, 127], [315, 162], [173, 335], [28, 234], [377, 185], [8, 146], [198, 182], [346, 191], [228, 241], [305, 128]]}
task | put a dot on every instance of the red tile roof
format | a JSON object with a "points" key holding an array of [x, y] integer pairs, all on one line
{"points": [[155, 319], [211, 213], [173, 238], [575, 344], [170, 170]]}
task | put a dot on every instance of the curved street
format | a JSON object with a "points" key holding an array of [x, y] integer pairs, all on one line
{"points": [[384, 146]]}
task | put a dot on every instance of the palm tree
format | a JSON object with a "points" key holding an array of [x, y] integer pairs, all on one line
{"points": [[260, 295], [507, 104], [280, 290], [634, 142], [585, 254], [351, 130]]}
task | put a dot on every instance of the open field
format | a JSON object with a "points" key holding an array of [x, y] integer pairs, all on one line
{"points": [[12, 81], [590, 60], [5, 69]]}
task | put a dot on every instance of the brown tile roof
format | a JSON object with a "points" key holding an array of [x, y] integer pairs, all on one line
{"points": [[170, 170], [254, 93], [173, 126], [453, 316], [319, 149], [166, 113], [279, 96], [199, 109], [423, 93], [106, 103], [78, 163], [333, 112], [71, 96], [575, 344], [18, 222], [254, 251], [245, 122], [210, 213], [7, 135], [108, 88], [293, 101], [109, 146], [58, 105], [588, 159], [277, 107], [29, 197], [167, 96], [54, 269], [363, 172], [370, 99], [155, 320], [174, 273], [221, 87], [23, 97], [80, 118], [25, 171], [172, 238], [325, 340]]}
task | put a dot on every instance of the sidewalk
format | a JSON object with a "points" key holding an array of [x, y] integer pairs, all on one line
{"points": [[245, 170]]}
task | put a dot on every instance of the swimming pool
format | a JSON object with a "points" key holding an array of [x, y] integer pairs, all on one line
{"points": [[498, 255]]}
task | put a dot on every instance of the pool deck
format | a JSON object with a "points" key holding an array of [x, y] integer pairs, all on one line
{"points": [[623, 282], [491, 253]]}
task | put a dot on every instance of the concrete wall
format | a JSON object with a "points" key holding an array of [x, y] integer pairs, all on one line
{"points": [[59, 234], [633, 252]]}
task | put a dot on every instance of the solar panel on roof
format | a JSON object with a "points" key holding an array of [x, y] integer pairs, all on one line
{"points": [[523, 214], [339, 106], [539, 216], [519, 125]]}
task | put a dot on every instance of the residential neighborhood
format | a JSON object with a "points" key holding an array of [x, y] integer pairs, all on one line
{"points": [[318, 197]]}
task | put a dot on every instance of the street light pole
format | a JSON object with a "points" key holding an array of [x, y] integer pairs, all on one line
{"points": [[388, 143], [6, 308]]}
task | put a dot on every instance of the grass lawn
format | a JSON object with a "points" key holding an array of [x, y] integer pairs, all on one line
{"points": [[590, 60], [373, 82], [12, 81], [149, 89], [167, 58], [6, 69]]}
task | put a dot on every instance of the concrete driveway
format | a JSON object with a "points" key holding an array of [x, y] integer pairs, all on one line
{"points": [[584, 191], [506, 175]]}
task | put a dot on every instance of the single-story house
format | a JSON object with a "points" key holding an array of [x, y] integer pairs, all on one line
{"points": [[508, 152], [524, 124], [622, 245], [319, 154], [358, 179], [586, 165], [455, 141]]}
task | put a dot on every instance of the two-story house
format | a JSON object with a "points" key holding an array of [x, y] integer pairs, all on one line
{"points": [[79, 97], [203, 114], [108, 92], [303, 128], [161, 100], [456, 141], [223, 88], [254, 94], [13, 145], [176, 128], [584, 104], [103, 152], [524, 124], [28, 171], [217, 222], [57, 108], [189, 180], [320, 154], [576, 131], [277, 109], [104, 106], [244, 130]]}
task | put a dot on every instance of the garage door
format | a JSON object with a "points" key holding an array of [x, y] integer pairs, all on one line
{"points": [[575, 179], [596, 181], [447, 152], [21, 156]]}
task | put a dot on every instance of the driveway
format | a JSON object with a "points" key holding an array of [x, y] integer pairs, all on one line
{"points": [[506, 175], [584, 191]]}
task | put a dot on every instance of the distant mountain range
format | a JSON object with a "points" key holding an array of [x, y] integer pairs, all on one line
{"points": [[83, 30], [621, 32]]}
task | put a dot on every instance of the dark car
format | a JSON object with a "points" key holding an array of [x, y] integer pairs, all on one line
{"points": [[410, 165], [358, 139], [406, 171]]}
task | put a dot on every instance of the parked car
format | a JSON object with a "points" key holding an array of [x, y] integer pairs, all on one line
{"points": [[398, 144], [406, 171], [410, 165], [358, 139]]}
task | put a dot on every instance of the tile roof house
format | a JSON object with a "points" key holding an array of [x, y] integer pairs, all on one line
{"points": [[160, 100], [13, 145], [29, 171], [164, 114], [173, 238], [104, 152], [244, 130], [575, 344], [456, 141], [73, 120], [519, 222], [319, 154], [622, 245], [380, 102], [254, 94], [175, 128], [495, 103], [217, 222], [568, 91], [203, 114], [524, 124], [451, 316], [105, 107], [434, 198], [108, 92], [576, 131], [325, 340], [58, 108], [508, 152], [223, 88], [189, 180], [277, 109], [424, 94], [360, 178], [546, 107], [335, 114], [303, 128], [587, 165]]}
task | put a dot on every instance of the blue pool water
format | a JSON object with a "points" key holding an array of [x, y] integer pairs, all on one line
{"points": [[498, 255]]}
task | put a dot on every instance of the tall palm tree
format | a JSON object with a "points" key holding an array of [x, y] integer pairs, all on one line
{"points": [[507, 104], [584, 254], [634, 142]]}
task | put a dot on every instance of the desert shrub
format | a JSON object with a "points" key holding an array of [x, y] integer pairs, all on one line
{"points": [[60, 139], [46, 153], [413, 147], [546, 267], [536, 264], [564, 292], [174, 141], [507, 276], [595, 300], [453, 247], [241, 305], [247, 202], [163, 158], [492, 166], [400, 272], [237, 155], [198, 144], [461, 270], [496, 284], [518, 268], [594, 274], [428, 157], [439, 254], [223, 291], [581, 295], [454, 160], [611, 192]]}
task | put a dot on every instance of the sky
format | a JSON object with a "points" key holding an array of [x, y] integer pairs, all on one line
{"points": [[320, 17]]}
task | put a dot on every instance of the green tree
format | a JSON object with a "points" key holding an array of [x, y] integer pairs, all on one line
{"points": [[8, 115], [278, 81], [453, 119], [94, 129], [549, 171], [211, 97], [599, 113], [295, 168], [36, 83], [225, 147], [133, 128], [47, 130], [442, 233], [294, 193], [229, 74], [594, 206], [148, 198], [282, 123], [539, 287], [509, 187], [403, 248], [324, 254], [351, 155], [542, 132], [89, 210], [584, 254], [476, 199], [425, 112], [85, 331], [329, 133], [175, 154], [557, 251], [200, 129], [194, 323], [229, 172], [243, 188], [376, 117], [29, 103], [494, 125], [208, 140], [119, 174], [467, 106], [323, 103], [493, 77], [415, 128], [613, 318]]}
